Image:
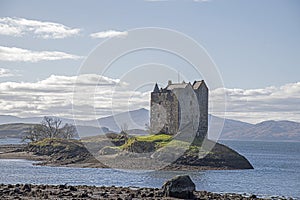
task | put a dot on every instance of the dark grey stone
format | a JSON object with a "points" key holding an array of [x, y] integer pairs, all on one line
{"points": [[179, 187], [26, 188]]}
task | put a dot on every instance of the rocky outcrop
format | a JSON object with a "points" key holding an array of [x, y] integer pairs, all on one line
{"points": [[61, 151], [179, 155], [168, 154], [109, 150], [141, 147], [219, 157], [179, 187]]}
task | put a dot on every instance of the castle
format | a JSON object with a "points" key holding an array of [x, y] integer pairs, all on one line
{"points": [[177, 105]]}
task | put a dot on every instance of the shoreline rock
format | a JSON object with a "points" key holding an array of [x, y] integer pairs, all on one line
{"points": [[30, 192], [179, 187]]}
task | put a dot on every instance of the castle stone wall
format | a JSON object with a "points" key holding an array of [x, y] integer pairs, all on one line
{"points": [[188, 108], [202, 95], [164, 112]]}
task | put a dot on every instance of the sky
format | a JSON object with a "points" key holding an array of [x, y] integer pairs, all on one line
{"points": [[43, 45]]}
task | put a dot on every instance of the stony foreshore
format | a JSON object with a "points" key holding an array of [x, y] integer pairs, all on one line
{"points": [[28, 191]]}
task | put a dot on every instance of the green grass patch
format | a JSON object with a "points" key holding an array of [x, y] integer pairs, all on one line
{"points": [[194, 149], [128, 143], [160, 140], [155, 138], [164, 140]]}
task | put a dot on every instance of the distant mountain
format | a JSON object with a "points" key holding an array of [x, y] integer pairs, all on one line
{"points": [[232, 129], [5, 119], [230, 125], [17, 130], [87, 131], [135, 121], [14, 130], [266, 130]]}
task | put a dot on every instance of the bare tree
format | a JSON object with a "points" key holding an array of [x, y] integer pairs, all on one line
{"points": [[50, 127], [33, 133], [67, 131]]}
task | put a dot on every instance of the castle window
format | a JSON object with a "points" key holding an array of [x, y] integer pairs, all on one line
{"points": [[191, 103], [158, 115]]}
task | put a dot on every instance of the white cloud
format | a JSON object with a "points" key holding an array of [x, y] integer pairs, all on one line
{"points": [[47, 30], [54, 96], [7, 73], [255, 105], [109, 34], [25, 55]]}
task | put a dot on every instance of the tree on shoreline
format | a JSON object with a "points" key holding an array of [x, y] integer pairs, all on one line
{"points": [[50, 127]]}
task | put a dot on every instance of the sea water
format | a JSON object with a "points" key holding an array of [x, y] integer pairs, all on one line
{"points": [[276, 172]]}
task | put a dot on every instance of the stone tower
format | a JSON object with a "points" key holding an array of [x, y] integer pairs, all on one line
{"points": [[167, 114]]}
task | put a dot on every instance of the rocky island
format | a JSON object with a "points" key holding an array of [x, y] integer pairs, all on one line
{"points": [[119, 151]]}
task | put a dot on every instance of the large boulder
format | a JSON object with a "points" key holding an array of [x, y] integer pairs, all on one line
{"points": [[179, 187]]}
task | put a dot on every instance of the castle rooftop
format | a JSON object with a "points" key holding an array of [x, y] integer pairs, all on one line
{"points": [[176, 86], [197, 84]]}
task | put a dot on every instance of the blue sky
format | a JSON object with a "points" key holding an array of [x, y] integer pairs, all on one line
{"points": [[255, 44]]}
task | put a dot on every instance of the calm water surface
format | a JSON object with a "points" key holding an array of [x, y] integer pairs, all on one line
{"points": [[277, 172]]}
